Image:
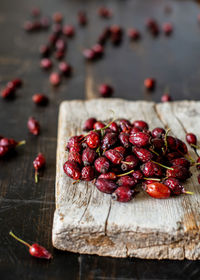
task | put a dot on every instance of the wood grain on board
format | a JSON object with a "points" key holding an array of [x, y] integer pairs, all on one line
{"points": [[90, 222]]}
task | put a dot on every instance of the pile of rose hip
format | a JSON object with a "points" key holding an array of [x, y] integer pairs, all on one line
{"points": [[122, 155]]}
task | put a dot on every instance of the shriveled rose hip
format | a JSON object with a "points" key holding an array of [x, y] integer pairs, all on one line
{"points": [[98, 125], [142, 125], [87, 173], [179, 172], [142, 154], [88, 156], [89, 123], [127, 181], [33, 126], [40, 99], [106, 186], [68, 30], [38, 163], [102, 164], [46, 63], [123, 194], [174, 185], [93, 140], [114, 156], [72, 169], [140, 139], [157, 132], [108, 176], [191, 138], [75, 156]]}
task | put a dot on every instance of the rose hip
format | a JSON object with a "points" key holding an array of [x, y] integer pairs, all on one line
{"points": [[167, 28], [141, 125], [191, 138], [123, 194], [179, 172], [127, 181], [7, 93], [140, 139], [88, 156], [98, 125], [46, 63], [65, 68], [35, 249], [150, 169], [124, 139], [55, 79], [105, 90], [149, 83], [75, 156], [87, 173], [68, 30], [125, 125], [33, 126], [106, 186], [134, 34], [89, 123], [93, 140], [137, 175], [72, 169], [120, 149], [142, 154], [104, 12], [158, 132], [89, 54], [38, 163], [108, 176], [114, 156], [129, 163], [181, 162], [40, 99], [166, 98], [174, 185], [157, 190], [102, 165], [109, 140]]}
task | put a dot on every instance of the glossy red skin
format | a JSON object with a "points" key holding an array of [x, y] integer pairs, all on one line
{"points": [[87, 173], [65, 68], [89, 54], [104, 12], [105, 90], [98, 125], [82, 19], [115, 30], [124, 139], [173, 155], [114, 156], [125, 125], [88, 156], [71, 169], [158, 143], [140, 139], [181, 161], [76, 148], [9, 143], [105, 186], [102, 164], [158, 132], [75, 156], [98, 49], [108, 176], [74, 141], [172, 143], [109, 140], [134, 34], [149, 83], [166, 98], [142, 154], [127, 181], [140, 124], [40, 99], [133, 160], [191, 138], [54, 79], [8, 93], [182, 148], [120, 149], [89, 123], [3, 150], [151, 169], [167, 28], [178, 172], [198, 161], [93, 140], [123, 194], [16, 83], [39, 162], [158, 190], [174, 185], [46, 63], [33, 126], [39, 252], [134, 130], [113, 126], [59, 54], [68, 30], [138, 175]]}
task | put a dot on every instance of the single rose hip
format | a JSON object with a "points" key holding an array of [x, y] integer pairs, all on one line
{"points": [[166, 98], [151, 169], [3, 151], [125, 125], [106, 186], [65, 68], [35, 249], [149, 83], [126, 181], [104, 12], [16, 83], [134, 130], [7, 93], [191, 138], [172, 143], [82, 18], [89, 123], [179, 172], [93, 139], [134, 34], [173, 155], [46, 63], [181, 162], [33, 126], [140, 139], [113, 126], [55, 79], [167, 28], [158, 132], [181, 147], [124, 139], [87, 173], [89, 54], [74, 141], [105, 90], [108, 176], [120, 149], [129, 163], [142, 154], [141, 125], [72, 169], [174, 185], [158, 143], [88, 156], [77, 148], [102, 165], [114, 156], [68, 30], [123, 194], [109, 140], [75, 156], [98, 49], [38, 163], [137, 174], [98, 125], [157, 190], [44, 50], [40, 99]]}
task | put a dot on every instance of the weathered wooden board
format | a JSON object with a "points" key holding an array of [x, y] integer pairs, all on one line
{"points": [[88, 221]]}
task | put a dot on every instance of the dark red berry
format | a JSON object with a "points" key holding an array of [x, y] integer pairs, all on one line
{"points": [[68, 30], [127, 181], [89, 123], [174, 185], [7, 93], [166, 98], [158, 132], [46, 63], [108, 176], [124, 139], [181, 161], [173, 155], [129, 163], [104, 12], [140, 139], [105, 90], [114, 156], [89, 54], [179, 172], [74, 141], [181, 147], [39, 162], [137, 175], [167, 28], [71, 169], [134, 130], [102, 165], [120, 149], [151, 169], [141, 125], [133, 34], [16, 83], [98, 49], [149, 83], [191, 138], [40, 99], [33, 126], [88, 156], [172, 143], [45, 50], [55, 79], [109, 140], [106, 186], [87, 173], [125, 125], [65, 68], [123, 194], [157, 190], [59, 54], [75, 156], [93, 140], [158, 143], [143, 154], [82, 19], [98, 125], [60, 45]]}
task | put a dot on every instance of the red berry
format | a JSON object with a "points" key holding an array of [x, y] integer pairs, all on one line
{"points": [[65, 68], [140, 139], [109, 140], [98, 125], [158, 144], [82, 19], [157, 132], [174, 185], [124, 139], [104, 12], [178, 172], [3, 150], [68, 30], [40, 99], [113, 126], [93, 140], [143, 154], [181, 161], [166, 98], [167, 28], [141, 125], [191, 138], [137, 175], [75, 156], [33, 126], [89, 54], [133, 34], [130, 162], [106, 186], [114, 156], [123, 194], [87, 173], [157, 190], [173, 155], [39, 162], [102, 165], [16, 83], [108, 176], [55, 79], [120, 149], [74, 141], [60, 45], [98, 49], [134, 130], [71, 169], [127, 181], [149, 83], [151, 169], [198, 163], [7, 93], [88, 156], [153, 27], [89, 123], [46, 63], [105, 90], [125, 125]]}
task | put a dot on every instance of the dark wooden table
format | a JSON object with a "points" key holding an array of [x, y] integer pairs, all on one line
{"points": [[27, 208]]}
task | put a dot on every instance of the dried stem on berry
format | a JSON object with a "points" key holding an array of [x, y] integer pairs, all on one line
{"points": [[129, 172], [164, 166]]}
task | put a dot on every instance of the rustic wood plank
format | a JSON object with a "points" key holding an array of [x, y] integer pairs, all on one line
{"points": [[88, 221]]}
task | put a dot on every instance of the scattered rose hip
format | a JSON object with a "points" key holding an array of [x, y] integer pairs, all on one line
{"points": [[38, 163], [35, 249], [40, 99], [122, 156], [9, 91], [133, 34], [166, 98], [33, 126], [104, 12], [149, 83], [8, 145], [105, 90]]}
